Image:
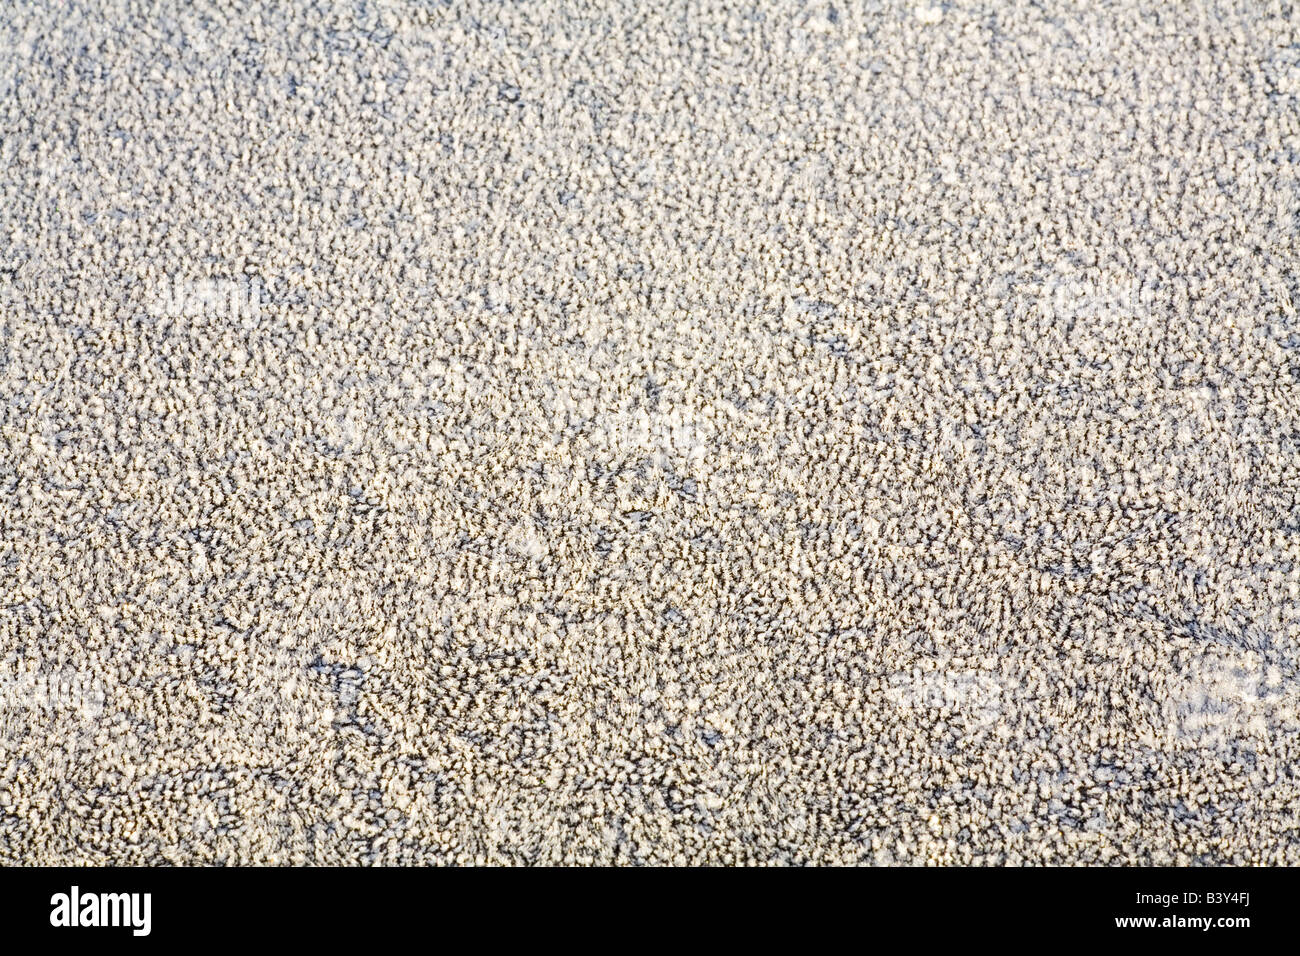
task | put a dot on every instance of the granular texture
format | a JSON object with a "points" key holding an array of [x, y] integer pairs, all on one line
{"points": [[658, 433]]}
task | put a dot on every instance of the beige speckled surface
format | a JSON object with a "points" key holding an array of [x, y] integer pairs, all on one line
{"points": [[649, 433]]}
